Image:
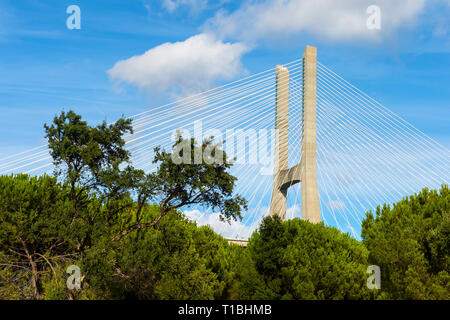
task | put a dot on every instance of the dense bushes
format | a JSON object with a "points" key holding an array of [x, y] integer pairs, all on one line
{"points": [[300, 260], [411, 242], [39, 239], [176, 260], [36, 233]]}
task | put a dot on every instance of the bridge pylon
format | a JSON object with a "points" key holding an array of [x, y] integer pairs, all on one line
{"points": [[306, 170]]}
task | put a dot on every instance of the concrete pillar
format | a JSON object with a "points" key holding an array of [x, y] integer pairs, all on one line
{"points": [[279, 195], [310, 192]]}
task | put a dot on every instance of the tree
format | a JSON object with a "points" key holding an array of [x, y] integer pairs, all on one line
{"points": [[106, 189], [35, 216], [410, 242], [178, 185], [92, 160], [38, 241], [89, 160], [245, 282], [301, 260], [87, 157], [176, 260]]}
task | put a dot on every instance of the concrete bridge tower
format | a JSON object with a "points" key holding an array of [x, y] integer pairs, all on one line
{"points": [[305, 171]]}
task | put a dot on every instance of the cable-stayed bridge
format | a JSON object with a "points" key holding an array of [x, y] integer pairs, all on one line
{"points": [[360, 153]]}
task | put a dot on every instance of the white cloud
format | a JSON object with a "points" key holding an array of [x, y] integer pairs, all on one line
{"points": [[235, 230], [293, 212], [194, 65], [195, 5], [330, 19], [185, 67]]}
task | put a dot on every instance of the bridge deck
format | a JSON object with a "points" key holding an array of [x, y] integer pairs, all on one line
{"points": [[239, 242]]}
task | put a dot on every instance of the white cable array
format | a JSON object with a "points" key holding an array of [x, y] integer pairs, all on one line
{"points": [[366, 154]]}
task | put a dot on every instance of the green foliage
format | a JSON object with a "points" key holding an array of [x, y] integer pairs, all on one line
{"points": [[206, 182], [410, 242], [93, 160], [90, 160], [36, 232], [301, 260], [177, 260], [83, 153], [125, 231]]}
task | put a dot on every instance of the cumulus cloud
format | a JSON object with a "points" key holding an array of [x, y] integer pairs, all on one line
{"points": [[187, 66], [197, 63], [330, 19], [235, 230]]}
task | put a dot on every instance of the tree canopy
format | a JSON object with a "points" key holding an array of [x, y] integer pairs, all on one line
{"points": [[36, 232], [94, 159], [410, 241], [301, 260]]}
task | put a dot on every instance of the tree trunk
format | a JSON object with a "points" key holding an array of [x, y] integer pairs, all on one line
{"points": [[37, 294]]}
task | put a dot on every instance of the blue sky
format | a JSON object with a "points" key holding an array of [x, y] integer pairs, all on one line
{"points": [[44, 67]]}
